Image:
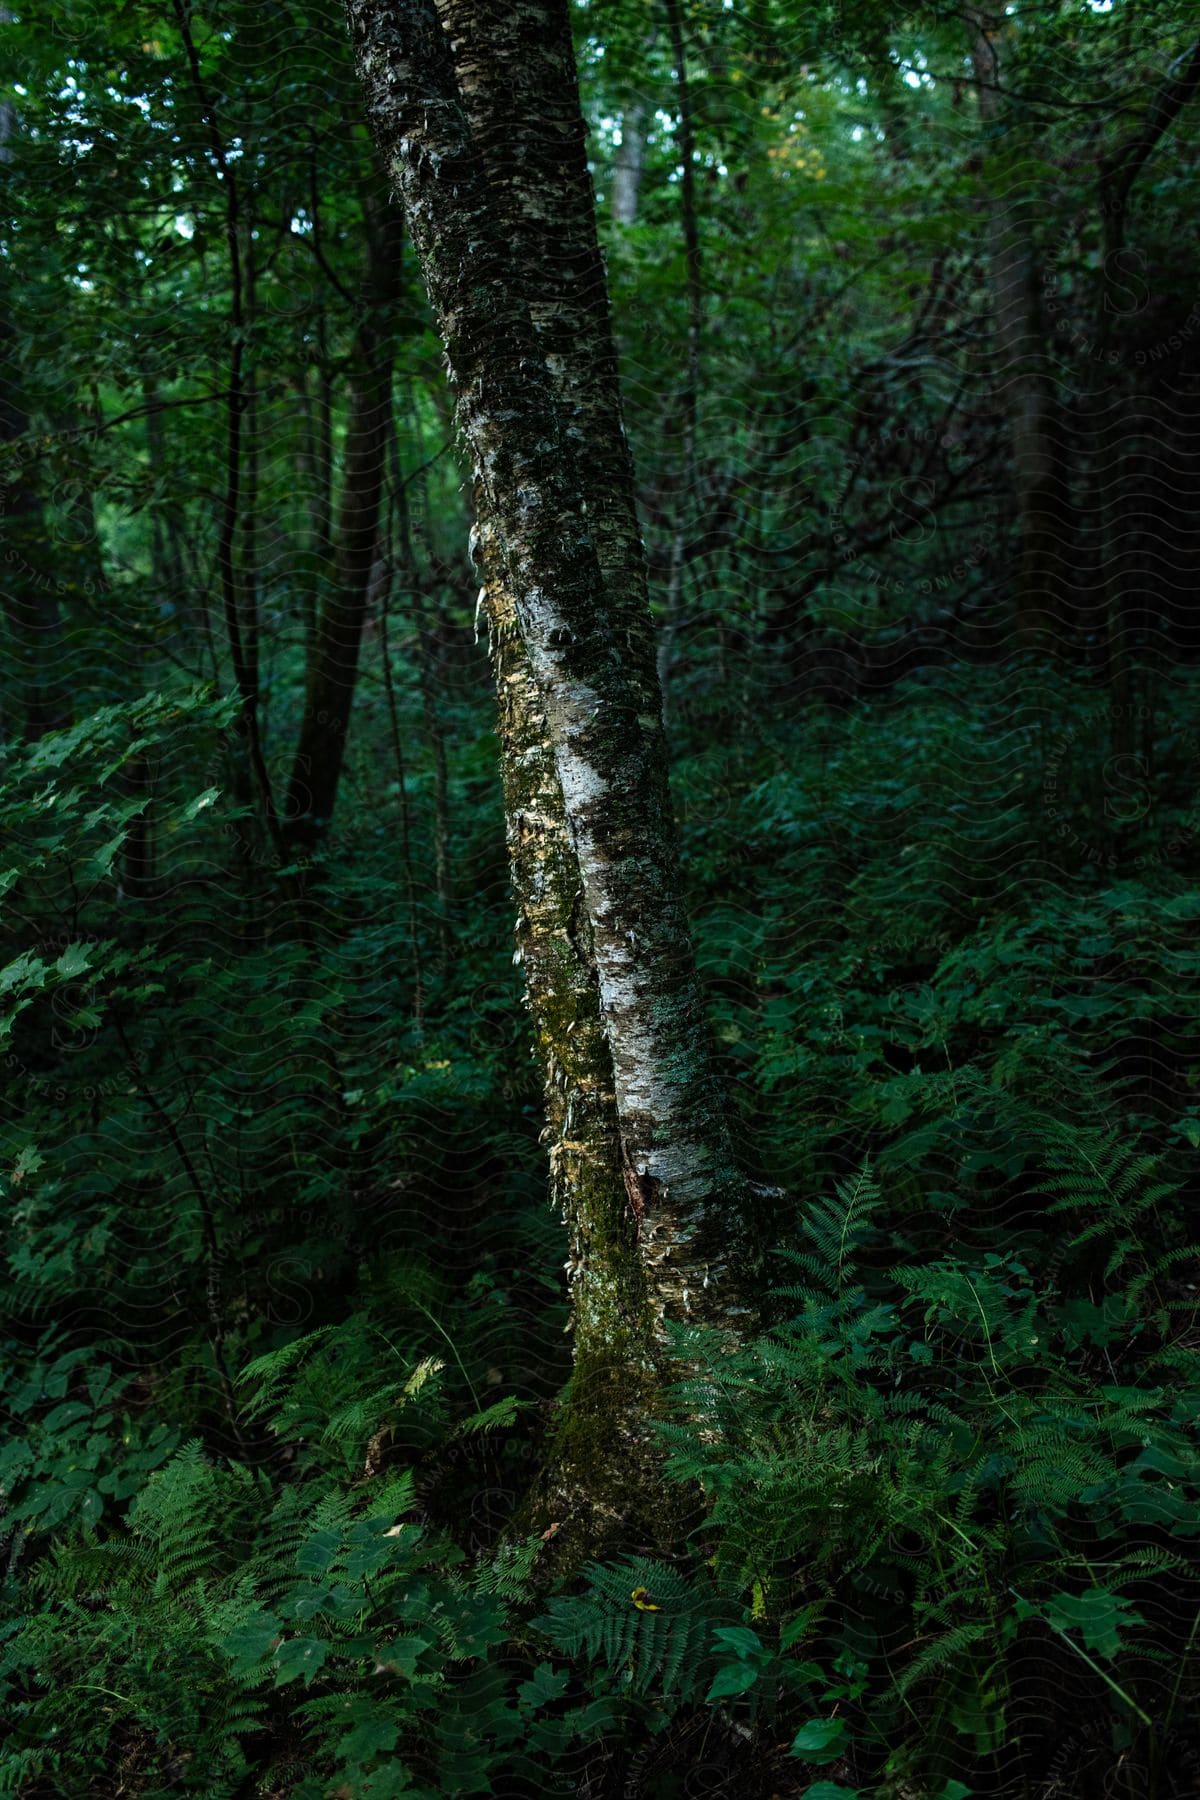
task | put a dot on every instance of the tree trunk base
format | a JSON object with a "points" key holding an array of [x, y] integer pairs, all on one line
{"points": [[602, 1491]]}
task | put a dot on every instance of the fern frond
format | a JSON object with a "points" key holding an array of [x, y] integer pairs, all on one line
{"points": [[271, 1370], [835, 1226], [643, 1619], [943, 1652]]}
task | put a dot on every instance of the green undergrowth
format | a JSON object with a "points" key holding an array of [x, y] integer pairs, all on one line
{"points": [[932, 1489], [286, 1315]]}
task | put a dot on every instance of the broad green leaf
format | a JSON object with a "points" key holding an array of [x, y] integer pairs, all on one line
{"points": [[732, 1678], [299, 1657], [373, 1737], [250, 1641], [74, 960], [820, 1740], [1098, 1616]]}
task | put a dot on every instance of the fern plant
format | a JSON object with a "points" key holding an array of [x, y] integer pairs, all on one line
{"points": [[647, 1624], [233, 1604], [915, 1436]]}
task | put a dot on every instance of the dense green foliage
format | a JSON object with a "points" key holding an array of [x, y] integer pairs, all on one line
{"points": [[284, 1320]]}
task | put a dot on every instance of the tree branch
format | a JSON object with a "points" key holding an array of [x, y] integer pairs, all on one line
{"points": [[1121, 170]]}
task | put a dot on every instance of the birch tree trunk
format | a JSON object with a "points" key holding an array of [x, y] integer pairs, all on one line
{"points": [[600, 1462], [477, 115]]}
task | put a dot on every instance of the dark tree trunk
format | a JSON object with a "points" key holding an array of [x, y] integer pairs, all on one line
{"points": [[166, 521], [1114, 418], [337, 635], [28, 591], [36, 675], [1038, 451], [689, 398]]}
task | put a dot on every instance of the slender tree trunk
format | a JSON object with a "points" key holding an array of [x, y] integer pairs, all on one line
{"points": [[601, 1459], [435, 733], [426, 684], [1020, 335], [476, 136], [627, 164], [386, 578], [241, 627], [167, 526], [690, 395], [36, 675], [516, 81], [1114, 427], [138, 861], [337, 637], [890, 91], [29, 594], [248, 574], [319, 459]]}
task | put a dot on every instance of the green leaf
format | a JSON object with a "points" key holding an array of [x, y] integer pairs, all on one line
{"points": [[389, 1782], [307, 1603], [401, 1656], [299, 1656], [800, 1626], [104, 858], [197, 805], [73, 961], [732, 1678], [740, 1639], [500, 1413], [545, 1685], [250, 1641], [1097, 1615], [820, 1740], [319, 1553], [28, 1163], [373, 1737], [26, 970]]}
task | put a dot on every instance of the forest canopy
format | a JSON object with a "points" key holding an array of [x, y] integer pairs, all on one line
{"points": [[600, 938]]}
